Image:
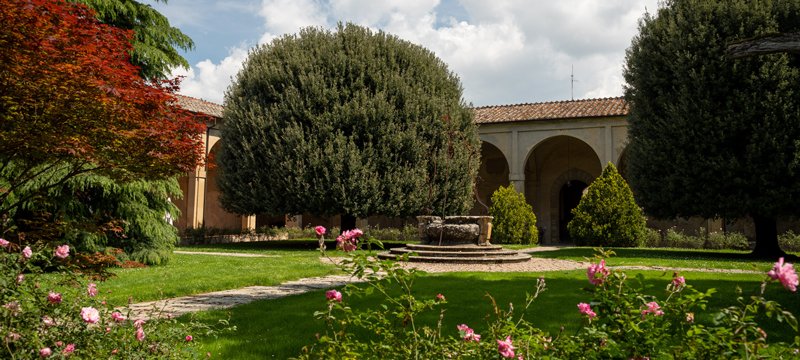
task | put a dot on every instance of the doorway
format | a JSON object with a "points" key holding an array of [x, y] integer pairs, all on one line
{"points": [[568, 198]]}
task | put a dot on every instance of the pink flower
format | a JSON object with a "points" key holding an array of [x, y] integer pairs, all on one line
{"points": [[117, 316], [138, 323], [90, 315], [20, 278], [346, 242], [597, 273], [91, 289], [26, 252], [139, 334], [786, 274], [586, 309], [13, 307], [61, 252], [59, 343], [690, 318], [45, 352], [505, 348], [356, 233], [189, 338], [320, 230], [440, 297], [69, 349], [468, 334], [678, 282], [4, 243], [12, 336], [653, 308], [48, 321], [333, 295], [54, 297]]}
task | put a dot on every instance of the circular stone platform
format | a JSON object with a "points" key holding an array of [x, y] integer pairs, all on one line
{"points": [[456, 254]]}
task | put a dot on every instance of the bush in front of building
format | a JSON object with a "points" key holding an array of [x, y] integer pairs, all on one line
{"points": [[514, 221], [607, 214]]}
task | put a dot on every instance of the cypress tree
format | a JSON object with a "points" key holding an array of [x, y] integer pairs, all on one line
{"points": [[607, 214], [350, 122], [710, 135]]}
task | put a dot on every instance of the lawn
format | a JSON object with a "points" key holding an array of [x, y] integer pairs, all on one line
{"points": [[193, 274], [280, 328]]}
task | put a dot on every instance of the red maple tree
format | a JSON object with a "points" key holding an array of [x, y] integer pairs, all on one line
{"points": [[72, 102]]}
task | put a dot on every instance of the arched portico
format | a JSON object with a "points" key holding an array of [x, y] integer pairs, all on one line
{"points": [[556, 170], [492, 174]]}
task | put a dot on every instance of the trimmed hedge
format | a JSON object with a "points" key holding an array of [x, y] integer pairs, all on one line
{"points": [[514, 221]]}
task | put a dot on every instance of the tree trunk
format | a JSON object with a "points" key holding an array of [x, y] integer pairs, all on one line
{"points": [[767, 246], [787, 42], [348, 222]]}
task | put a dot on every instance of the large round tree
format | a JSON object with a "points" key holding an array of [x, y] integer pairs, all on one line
{"points": [[350, 122], [710, 135]]}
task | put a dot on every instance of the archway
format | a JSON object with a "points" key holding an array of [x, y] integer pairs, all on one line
{"points": [[492, 174], [214, 216], [622, 164], [568, 198], [553, 164]]}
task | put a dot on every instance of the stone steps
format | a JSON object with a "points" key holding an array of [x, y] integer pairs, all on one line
{"points": [[456, 254]]}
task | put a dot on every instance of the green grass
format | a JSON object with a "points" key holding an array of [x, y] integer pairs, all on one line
{"points": [[192, 274], [683, 258], [280, 328]]}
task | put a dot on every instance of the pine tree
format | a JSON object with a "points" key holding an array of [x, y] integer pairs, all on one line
{"points": [[710, 135], [347, 122], [514, 221], [607, 214]]}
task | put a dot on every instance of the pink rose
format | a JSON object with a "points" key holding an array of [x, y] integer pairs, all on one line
{"points": [[356, 233], [440, 297], [653, 308], [54, 297], [786, 274], [320, 230], [468, 334], [91, 289], [26, 252], [69, 349], [48, 321], [20, 278], [4, 243], [678, 282], [586, 309], [189, 338], [90, 315], [597, 273], [117, 316], [61, 252], [333, 295], [138, 323], [505, 348], [139, 334], [45, 352]]}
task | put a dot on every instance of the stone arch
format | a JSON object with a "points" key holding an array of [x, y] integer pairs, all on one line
{"points": [[492, 174], [552, 163], [214, 215]]}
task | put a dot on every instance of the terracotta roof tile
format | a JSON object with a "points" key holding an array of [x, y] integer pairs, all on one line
{"points": [[199, 106], [552, 110]]}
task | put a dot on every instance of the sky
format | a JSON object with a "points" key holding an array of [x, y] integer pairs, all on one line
{"points": [[504, 51]]}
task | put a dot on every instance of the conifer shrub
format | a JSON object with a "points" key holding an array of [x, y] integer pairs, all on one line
{"points": [[514, 221], [607, 215]]}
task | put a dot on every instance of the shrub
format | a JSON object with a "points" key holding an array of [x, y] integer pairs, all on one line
{"points": [[406, 233], [619, 321], [789, 241], [607, 215], [652, 238], [61, 314], [678, 239], [514, 221], [732, 240]]}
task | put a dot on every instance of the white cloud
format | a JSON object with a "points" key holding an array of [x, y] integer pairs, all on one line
{"points": [[505, 52], [209, 81]]}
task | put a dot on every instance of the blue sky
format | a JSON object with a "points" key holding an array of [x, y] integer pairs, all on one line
{"points": [[504, 51]]}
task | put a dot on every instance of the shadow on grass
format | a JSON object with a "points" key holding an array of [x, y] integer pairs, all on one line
{"points": [[299, 244], [280, 328]]}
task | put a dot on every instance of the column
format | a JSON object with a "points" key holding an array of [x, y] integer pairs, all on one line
{"points": [[249, 222], [196, 198]]}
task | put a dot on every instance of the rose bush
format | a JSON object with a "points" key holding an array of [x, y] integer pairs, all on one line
{"points": [[619, 321], [47, 309]]}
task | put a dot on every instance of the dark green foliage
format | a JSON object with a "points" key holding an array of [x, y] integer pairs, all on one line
{"points": [[346, 122], [607, 214], [514, 221], [155, 41], [92, 212], [711, 136]]}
